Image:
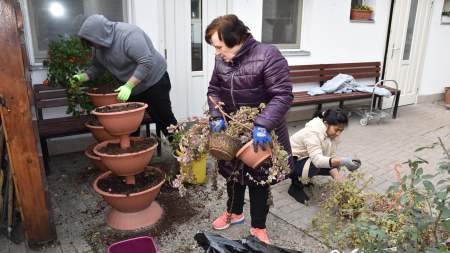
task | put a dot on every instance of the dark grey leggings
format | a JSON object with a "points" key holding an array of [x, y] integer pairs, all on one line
{"points": [[313, 171], [258, 202]]}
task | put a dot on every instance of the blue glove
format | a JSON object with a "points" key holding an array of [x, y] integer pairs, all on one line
{"points": [[217, 125], [261, 137]]}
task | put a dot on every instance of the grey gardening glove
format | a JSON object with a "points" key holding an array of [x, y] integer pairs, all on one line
{"points": [[350, 164]]}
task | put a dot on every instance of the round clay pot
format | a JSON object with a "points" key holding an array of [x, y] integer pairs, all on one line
{"points": [[223, 146], [133, 211], [121, 123], [251, 158], [99, 99], [99, 132], [127, 164], [95, 160]]}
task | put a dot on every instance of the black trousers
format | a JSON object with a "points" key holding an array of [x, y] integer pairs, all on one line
{"points": [[313, 171], [159, 106], [259, 207]]}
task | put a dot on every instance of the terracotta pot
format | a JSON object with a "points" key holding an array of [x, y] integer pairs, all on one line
{"points": [[95, 160], [223, 146], [127, 164], [133, 211], [103, 99], [121, 123], [360, 14], [251, 158], [99, 132], [447, 95]]}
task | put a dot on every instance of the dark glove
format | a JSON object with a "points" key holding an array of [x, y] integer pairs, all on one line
{"points": [[261, 137], [217, 125], [350, 164]]}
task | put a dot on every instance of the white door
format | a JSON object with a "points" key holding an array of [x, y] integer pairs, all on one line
{"points": [[190, 59], [409, 31]]}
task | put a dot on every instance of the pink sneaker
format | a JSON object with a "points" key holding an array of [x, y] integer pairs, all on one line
{"points": [[227, 219], [261, 234]]}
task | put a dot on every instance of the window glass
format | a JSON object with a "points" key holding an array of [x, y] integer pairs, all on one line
{"points": [[52, 18], [410, 30], [196, 35], [281, 23]]}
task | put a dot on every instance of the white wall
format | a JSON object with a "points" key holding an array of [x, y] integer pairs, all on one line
{"points": [[327, 32], [436, 73]]}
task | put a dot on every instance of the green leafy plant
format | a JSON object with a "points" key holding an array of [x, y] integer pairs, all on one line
{"points": [[362, 7], [65, 58], [412, 216], [189, 143], [240, 125], [446, 13]]}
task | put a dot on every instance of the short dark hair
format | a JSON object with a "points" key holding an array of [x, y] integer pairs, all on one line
{"points": [[230, 28], [333, 116]]}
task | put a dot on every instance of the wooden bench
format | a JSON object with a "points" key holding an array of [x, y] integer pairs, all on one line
{"points": [[320, 73], [48, 97]]}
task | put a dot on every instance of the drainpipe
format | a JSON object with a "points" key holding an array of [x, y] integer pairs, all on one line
{"points": [[391, 11]]}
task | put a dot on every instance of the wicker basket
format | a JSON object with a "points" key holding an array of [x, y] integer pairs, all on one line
{"points": [[223, 146]]}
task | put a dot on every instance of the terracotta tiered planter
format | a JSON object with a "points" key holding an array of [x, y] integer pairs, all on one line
{"points": [[126, 164], [132, 203], [95, 160], [121, 123], [132, 211], [251, 158], [103, 99], [99, 132]]}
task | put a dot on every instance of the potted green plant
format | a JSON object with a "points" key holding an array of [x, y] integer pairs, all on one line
{"points": [[190, 146], [361, 12], [239, 126], [67, 57], [445, 17]]}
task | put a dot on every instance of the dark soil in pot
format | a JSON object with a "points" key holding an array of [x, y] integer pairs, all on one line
{"points": [[136, 145], [106, 88], [120, 108], [117, 185]]}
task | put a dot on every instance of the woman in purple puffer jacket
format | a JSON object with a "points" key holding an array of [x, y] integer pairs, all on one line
{"points": [[248, 73]]}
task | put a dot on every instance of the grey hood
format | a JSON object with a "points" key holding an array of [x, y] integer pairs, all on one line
{"points": [[98, 29]]}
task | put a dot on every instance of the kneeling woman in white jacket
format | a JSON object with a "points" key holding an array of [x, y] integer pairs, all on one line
{"points": [[314, 151]]}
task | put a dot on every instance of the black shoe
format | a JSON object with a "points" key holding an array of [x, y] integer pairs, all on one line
{"points": [[298, 194]]}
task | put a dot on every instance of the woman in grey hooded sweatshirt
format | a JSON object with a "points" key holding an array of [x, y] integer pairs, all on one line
{"points": [[128, 53]]}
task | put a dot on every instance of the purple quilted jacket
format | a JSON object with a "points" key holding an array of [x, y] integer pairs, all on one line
{"points": [[257, 74]]}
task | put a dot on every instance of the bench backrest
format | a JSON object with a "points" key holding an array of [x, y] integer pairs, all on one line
{"points": [[323, 72], [48, 97]]}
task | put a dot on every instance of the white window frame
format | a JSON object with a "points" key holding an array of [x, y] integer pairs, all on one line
{"points": [[35, 59], [292, 48]]}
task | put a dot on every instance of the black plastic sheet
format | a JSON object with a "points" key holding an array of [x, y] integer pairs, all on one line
{"points": [[213, 243]]}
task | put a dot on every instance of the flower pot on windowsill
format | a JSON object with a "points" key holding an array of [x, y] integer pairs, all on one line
{"points": [[447, 95], [356, 14], [445, 19]]}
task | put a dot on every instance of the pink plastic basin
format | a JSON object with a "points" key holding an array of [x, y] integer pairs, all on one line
{"points": [[144, 244]]}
